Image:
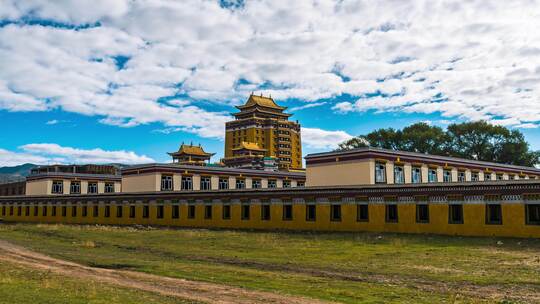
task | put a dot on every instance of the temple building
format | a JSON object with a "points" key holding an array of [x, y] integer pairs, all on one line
{"points": [[191, 155], [262, 134]]}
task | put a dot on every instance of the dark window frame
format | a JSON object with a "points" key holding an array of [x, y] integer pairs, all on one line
{"points": [[265, 212], [311, 216], [451, 213], [160, 211], [226, 212], [389, 213], [419, 213], [534, 212], [335, 213], [208, 210], [119, 211], [245, 212], [175, 214], [192, 211], [287, 212], [360, 213], [489, 219]]}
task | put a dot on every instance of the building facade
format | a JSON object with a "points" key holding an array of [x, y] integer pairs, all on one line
{"points": [[367, 166], [13, 188], [191, 155], [263, 125]]}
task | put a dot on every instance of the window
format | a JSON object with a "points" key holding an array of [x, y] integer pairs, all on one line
{"points": [[511, 176], [311, 213], [53, 211], [36, 210], [422, 213], [380, 173], [487, 176], [119, 210], [499, 177], [109, 187], [131, 211], [92, 188], [11, 210], [532, 215], [64, 211], [399, 175], [73, 211], [475, 177], [223, 183], [187, 183], [75, 188], [265, 212], [461, 176], [286, 184], [493, 214], [416, 175], [96, 211], [300, 184], [43, 210], [146, 211], [287, 212], [166, 183], [272, 183], [57, 187], [84, 211], [432, 176], [256, 184], [362, 213], [208, 212], [245, 211], [391, 213], [205, 183], [159, 211], [107, 211], [335, 213], [226, 212], [191, 211], [455, 214], [27, 211], [240, 184], [447, 176], [175, 211]]}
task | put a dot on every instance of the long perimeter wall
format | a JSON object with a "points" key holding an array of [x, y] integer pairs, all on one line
{"points": [[502, 208]]}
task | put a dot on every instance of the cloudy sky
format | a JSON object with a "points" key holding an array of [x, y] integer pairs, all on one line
{"points": [[127, 81]]}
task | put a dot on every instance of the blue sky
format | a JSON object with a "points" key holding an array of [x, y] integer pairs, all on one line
{"points": [[123, 81]]}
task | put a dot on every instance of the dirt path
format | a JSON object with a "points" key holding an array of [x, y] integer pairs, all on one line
{"points": [[185, 289]]}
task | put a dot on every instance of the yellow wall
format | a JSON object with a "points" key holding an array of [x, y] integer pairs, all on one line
{"points": [[341, 173], [474, 217], [38, 187], [141, 182]]}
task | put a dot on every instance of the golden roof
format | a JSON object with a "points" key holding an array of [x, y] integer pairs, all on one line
{"points": [[262, 101], [192, 150], [249, 146]]}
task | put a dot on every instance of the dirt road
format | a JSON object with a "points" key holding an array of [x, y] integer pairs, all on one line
{"points": [[185, 289]]}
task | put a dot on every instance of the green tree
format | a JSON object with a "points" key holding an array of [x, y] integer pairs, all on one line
{"points": [[423, 138]]}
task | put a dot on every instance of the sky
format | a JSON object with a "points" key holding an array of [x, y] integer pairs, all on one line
{"points": [[125, 81]]}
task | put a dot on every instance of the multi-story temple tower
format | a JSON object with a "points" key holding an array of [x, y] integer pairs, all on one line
{"points": [[262, 132]]}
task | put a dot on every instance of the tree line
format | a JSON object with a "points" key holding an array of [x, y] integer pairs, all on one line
{"points": [[477, 140]]}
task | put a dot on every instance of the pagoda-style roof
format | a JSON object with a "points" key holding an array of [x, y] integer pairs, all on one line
{"points": [[249, 146], [191, 150], [261, 101]]}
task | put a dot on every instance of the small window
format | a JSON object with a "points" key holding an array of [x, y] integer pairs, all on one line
{"points": [[455, 214], [27, 211], [487, 176], [84, 212], [362, 213], [391, 213], [57, 187], [109, 188], [44, 210], [399, 175], [499, 177], [64, 211], [335, 213], [131, 211], [175, 212], [287, 212], [447, 176], [311, 213], [422, 213], [208, 212], [432, 176], [206, 183], [146, 211], [240, 184], [107, 211], [532, 215], [286, 184], [256, 184], [380, 173], [223, 183], [461, 176], [166, 183], [475, 177], [272, 183], [92, 188], [187, 183], [36, 210], [191, 211], [53, 211], [119, 211], [416, 175], [73, 211], [493, 214], [95, 211], [245, 211], [300, 184], [159, 211], [11, 210], [265, 212], [511, 176], [75, 188], [226, 212]]}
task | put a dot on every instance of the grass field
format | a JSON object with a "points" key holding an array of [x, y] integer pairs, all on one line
{"points": [[341, 267]]}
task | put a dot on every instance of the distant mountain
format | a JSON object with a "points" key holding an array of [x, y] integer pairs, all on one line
{"points": [[15, 173]]}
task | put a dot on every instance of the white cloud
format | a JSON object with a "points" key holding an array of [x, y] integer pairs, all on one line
{"points": [[45, 153], [467, 60], [323, 139], [52, 122], [307, 106]]}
